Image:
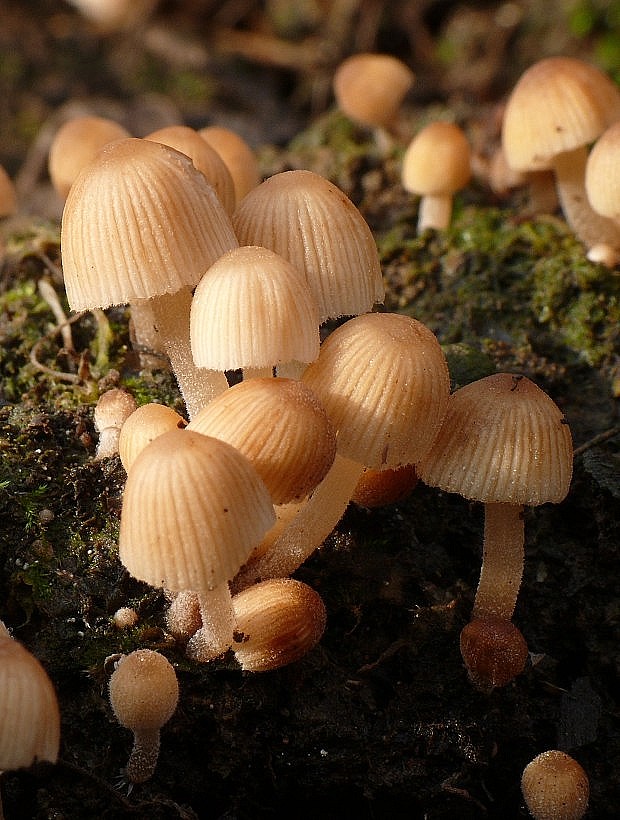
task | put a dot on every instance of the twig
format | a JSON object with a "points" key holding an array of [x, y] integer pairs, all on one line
{"points": [[598, 439], [51, 297]]}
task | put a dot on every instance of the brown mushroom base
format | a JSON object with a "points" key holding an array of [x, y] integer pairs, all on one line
{"points": [[494, 652]]}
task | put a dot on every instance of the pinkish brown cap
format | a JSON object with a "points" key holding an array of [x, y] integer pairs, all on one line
{"points": [[240, 159]]}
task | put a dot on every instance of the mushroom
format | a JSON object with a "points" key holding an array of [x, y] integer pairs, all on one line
{"points": [[29, 714], [555, 787], [193, 510], [278, 622], [369, 88], [144, 693], [115, 15], [436, 164], [306, 219], [383, 380], [377, 488], [506, 443], [280, 426], [141, 225], [113, 408], [253, 310], [237, 155], [76, 144], [143, 425], [206, 159], [602, 182], [559, 106]]}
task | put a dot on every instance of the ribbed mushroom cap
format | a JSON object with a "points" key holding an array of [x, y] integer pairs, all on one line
{"points": [[253, 309], [555, 787], [29, 714], [193, 510], [238, 156], [140, 221], [143, 690], [603, 173], [437, 160], [369, 88], [558, 104], [384, 383], [146, 423], [312, 223], [280, 426], [76, 144], [278, 622], [205, 158], [503, 440]]}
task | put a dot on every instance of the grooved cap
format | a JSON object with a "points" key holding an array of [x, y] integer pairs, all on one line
{"points": [[503, 440]]}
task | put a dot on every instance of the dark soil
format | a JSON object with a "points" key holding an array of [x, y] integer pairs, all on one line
{"points": [[379, 720]]}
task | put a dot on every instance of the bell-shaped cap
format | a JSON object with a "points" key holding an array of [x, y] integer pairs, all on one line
{"points": [[282, 428], [383, 380], [193, 510], [312, 223], [503, 440], [253, 309], [139, 221]]}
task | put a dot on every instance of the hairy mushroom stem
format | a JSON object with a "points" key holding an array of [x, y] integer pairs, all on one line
{"points": [[216, 634], [198, 385], [589, 226], [144, 754], [502, 561]]}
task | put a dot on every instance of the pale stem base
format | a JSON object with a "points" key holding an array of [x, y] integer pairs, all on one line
{"points": [[435, 211], [215, 635], [198, 385], [502, 561], [144, 755]]}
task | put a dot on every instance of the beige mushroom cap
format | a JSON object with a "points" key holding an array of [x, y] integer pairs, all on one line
{"points": [[280, 426], [555, 787], [384, 383], [144, 690], [146, 423], [503, 440], [253, 309], [369, 88], [312, 223], [278, 622], [437, 160], [76, 144], [603, 173], [193, 510], [240, 159], [205, 158], [29, 714], [139, 221], [557, 105]]}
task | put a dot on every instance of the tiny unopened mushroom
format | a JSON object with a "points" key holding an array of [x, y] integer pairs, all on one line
{"points": [[29, 713], [144, 693], [436, 164], [278, 622], [494, 652], [555, 787], [113, 408]]}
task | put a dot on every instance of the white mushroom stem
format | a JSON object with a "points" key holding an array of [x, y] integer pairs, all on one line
{"points": [[144, 755], [218, 625], [502, 561], [435, 211], [589, 226], [309, 528], [198, 385]]}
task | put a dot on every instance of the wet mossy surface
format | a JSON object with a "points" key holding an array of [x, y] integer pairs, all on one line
{"points": [[379, 720]]}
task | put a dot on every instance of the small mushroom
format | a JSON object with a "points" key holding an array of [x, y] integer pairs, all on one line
{"points": [[113, 408], [555, 787], [239, 158], [144, 693], [143, 425], [436, 164]]}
